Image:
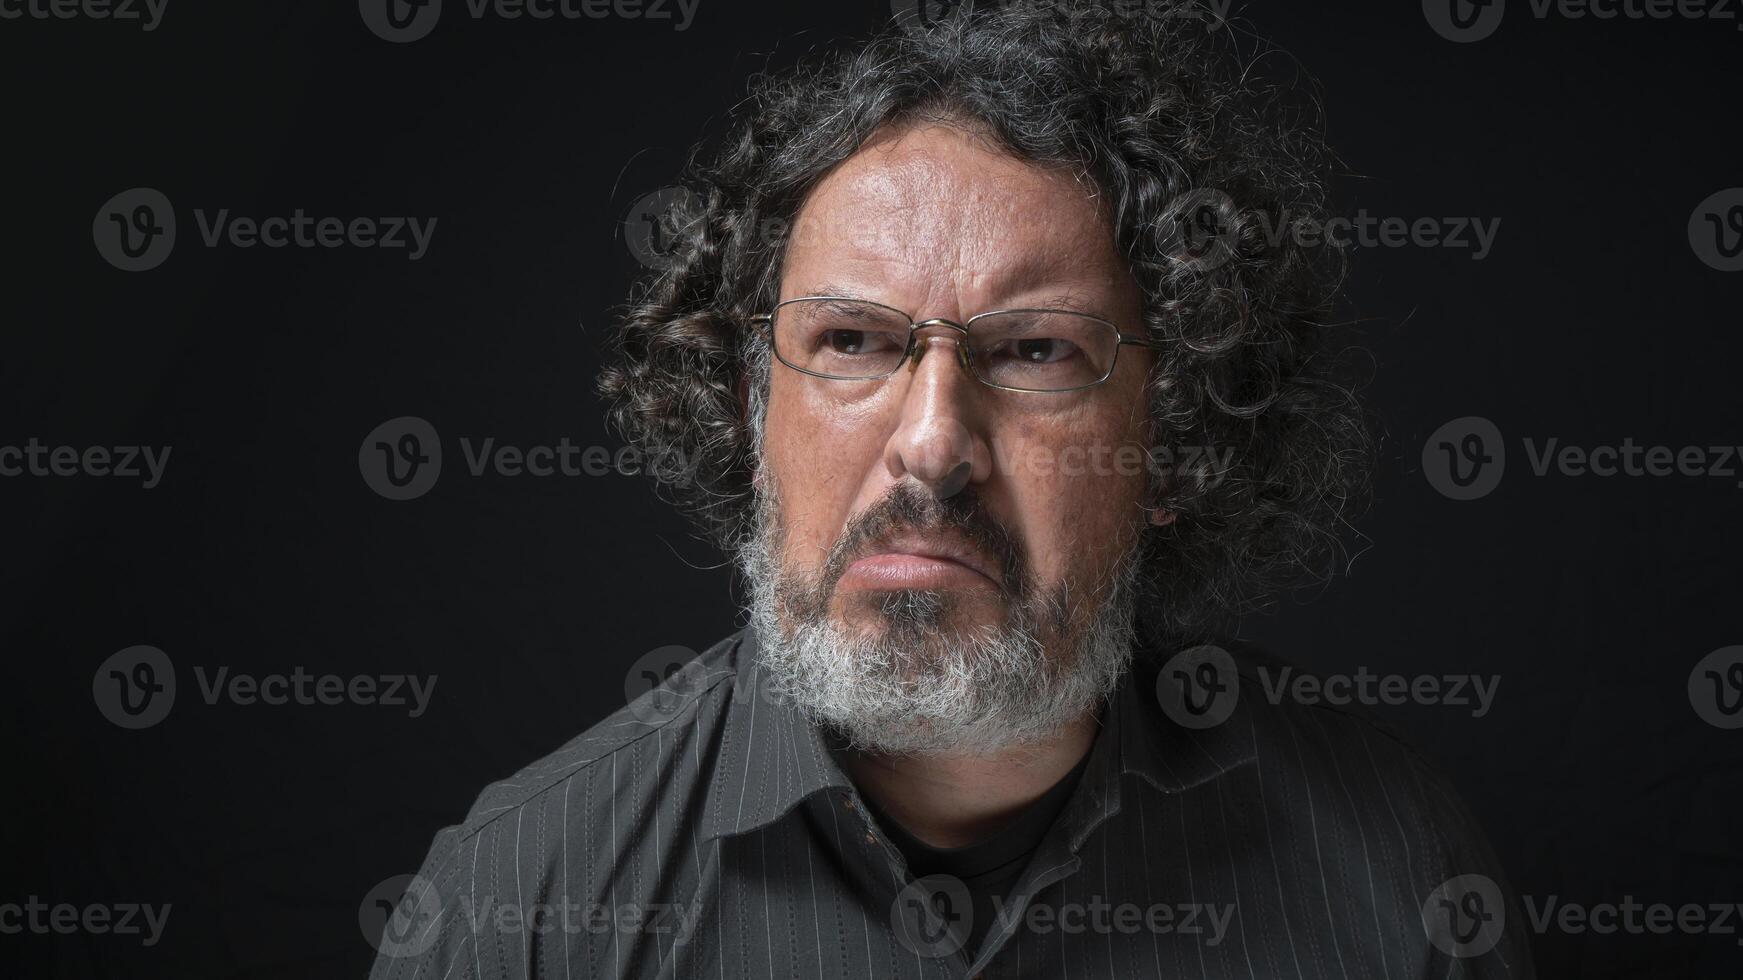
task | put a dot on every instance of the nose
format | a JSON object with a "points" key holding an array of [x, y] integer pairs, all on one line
{"points": [[940, 440]]}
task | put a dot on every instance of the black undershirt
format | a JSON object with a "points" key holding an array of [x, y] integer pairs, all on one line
{"points": [[988, 868]]}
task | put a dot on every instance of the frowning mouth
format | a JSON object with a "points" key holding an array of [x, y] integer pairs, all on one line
{"points": [[921, 561]]}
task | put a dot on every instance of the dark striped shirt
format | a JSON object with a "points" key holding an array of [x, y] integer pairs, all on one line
{"points": [[706, 831]]}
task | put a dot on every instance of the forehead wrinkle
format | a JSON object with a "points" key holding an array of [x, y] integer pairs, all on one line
{"points": [[935, 226]]}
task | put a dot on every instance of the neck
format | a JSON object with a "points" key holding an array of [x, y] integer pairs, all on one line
{"points": [[950, 800]]}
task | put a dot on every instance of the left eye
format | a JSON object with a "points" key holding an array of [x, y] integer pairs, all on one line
{"points": [[1036, 350]]}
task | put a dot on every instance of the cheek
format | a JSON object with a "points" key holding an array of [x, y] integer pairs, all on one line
{"points": [[821, 454], [1076, 495]]}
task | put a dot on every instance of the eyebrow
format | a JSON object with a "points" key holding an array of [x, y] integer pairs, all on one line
{"points": [[1069, 300]]}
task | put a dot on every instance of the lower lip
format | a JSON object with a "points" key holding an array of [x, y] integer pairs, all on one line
{"points": [[910, 572]]}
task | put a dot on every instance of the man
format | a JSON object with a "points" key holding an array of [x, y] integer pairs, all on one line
{"points": [[945, 322]]}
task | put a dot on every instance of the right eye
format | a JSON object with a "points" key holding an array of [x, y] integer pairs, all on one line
{"points": [[854, 342], [847, 341]]}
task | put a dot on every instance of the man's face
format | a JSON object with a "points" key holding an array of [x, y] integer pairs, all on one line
{"points": [[931, 528], [934, 223]]}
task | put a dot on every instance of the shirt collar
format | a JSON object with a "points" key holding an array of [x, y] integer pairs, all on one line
{"points": [[773, 758], [1136, 738]]}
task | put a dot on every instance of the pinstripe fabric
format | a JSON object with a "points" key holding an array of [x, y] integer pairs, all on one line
{"points": [[720, 839]]}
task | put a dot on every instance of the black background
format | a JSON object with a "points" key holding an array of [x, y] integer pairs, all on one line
{"points": [[263, 549]]}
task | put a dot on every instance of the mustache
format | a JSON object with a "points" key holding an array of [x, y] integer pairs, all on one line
{"points": [[908, 507]]}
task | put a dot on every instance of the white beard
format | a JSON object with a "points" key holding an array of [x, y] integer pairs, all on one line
{"points": [[911, 684]]}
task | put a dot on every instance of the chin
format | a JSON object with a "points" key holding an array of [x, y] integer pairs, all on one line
{"points": [[918, 615]]}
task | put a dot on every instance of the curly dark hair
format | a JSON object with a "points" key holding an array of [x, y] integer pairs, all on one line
{"points": [[1162, 112]]}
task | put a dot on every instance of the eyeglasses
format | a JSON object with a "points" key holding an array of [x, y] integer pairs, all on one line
{"points": [[843, 339]]}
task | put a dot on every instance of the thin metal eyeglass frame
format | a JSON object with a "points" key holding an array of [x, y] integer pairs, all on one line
{"points": [[766, 321]]}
